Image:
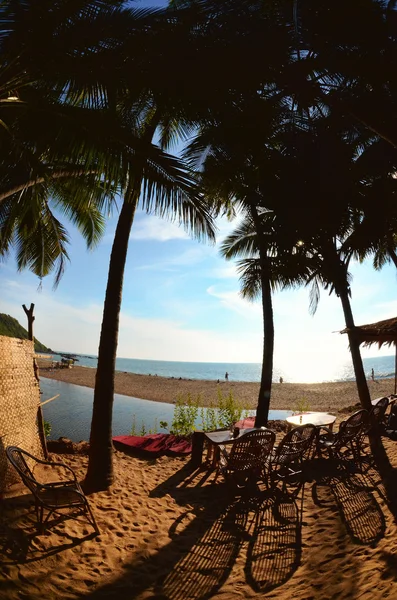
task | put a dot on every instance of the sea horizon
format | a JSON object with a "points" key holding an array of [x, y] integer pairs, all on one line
{"points": [[383, 366]]}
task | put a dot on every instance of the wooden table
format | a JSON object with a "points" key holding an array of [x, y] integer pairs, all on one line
{"points": [[220, 438], [318, 419]]}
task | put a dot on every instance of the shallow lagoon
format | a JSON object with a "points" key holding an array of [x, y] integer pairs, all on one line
{"points": [[70, 414]]}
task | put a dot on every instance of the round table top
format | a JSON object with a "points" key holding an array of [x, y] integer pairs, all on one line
{"points": [[225, 436], [315, 418]]}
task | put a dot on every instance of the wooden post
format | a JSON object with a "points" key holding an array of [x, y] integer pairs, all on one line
{"points": [[31, 318], [197, 449], [395, 371], [40, 420]]}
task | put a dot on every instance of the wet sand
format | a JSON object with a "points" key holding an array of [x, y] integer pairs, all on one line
{"points": [[331, 396]]}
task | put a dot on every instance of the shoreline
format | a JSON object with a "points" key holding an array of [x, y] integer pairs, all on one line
{"points": [[325, 396]]}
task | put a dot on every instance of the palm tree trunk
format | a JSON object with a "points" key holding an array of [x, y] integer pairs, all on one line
{"points": [[100, 467], [361, 380], [378, 451], [262, 410]]}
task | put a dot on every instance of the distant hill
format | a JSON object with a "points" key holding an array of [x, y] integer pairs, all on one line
{"points": [[10, 327]]}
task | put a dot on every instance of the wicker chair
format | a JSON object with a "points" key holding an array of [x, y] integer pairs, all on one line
{"points": [[55, 496], [347, 442], [378, 412], [288, 457], [248, 459]]}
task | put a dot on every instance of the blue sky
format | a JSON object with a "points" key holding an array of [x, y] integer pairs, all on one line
{"points": [[181, 302]]}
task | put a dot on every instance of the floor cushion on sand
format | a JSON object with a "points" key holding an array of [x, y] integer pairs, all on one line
{"points": [[246, 423], [155, 443]]}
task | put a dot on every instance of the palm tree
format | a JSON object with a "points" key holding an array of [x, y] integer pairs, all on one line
{"points": [[264, 269], [61, 143], [345, 61], [171, 114], [91, 121], [171, 194]]}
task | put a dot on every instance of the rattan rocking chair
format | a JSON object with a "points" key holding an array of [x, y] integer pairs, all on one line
{"points": [[55, 496]]}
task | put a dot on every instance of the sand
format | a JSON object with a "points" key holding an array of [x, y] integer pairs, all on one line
{"points": [[171, 534], [319, 396]]}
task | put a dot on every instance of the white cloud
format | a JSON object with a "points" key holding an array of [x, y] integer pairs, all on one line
{"points": [[153, 228], [189, 257], [62, 326], [232, 300], [228, 271]]}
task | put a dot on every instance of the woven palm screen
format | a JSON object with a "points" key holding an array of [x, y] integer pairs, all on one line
{"points": [[19, 402]]}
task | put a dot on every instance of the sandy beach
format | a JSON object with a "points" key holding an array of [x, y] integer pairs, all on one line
{"points": [[170, 532], [167, 533], [319, 396]]}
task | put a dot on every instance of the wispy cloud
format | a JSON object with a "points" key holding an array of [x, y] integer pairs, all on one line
{"points": [[191, 256], [233, 301], [63, 326], [153, 228], [228, 271]]}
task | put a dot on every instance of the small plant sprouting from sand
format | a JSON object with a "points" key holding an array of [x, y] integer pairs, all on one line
{"points": [[133, 430], [301, 406]]}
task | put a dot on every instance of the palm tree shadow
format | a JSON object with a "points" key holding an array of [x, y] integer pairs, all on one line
{"points": [[274, 551], [202, 571]]}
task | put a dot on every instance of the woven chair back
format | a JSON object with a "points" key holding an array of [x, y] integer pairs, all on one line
{"points": [[17, 458], [379, 410], [352, 429], [296, 444], [251, 450]]}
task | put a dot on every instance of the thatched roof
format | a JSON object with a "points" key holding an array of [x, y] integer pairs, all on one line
{"points": [[382, 332]]}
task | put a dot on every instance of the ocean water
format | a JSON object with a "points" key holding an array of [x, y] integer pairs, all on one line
{"points": [[70, 414], [382, 365]]}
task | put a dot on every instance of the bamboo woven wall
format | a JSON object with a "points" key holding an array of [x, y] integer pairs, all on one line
{"points": [[19, 401]]}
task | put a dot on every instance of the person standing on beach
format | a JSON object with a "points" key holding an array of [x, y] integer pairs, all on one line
{"points": [[227, 376], [372, 374]]}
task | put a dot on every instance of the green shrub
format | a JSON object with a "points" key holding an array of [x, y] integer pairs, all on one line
{"points": [[47, 428], [301, 406], [185, 415], [221, 415], [229, 410], [209, 418]]}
